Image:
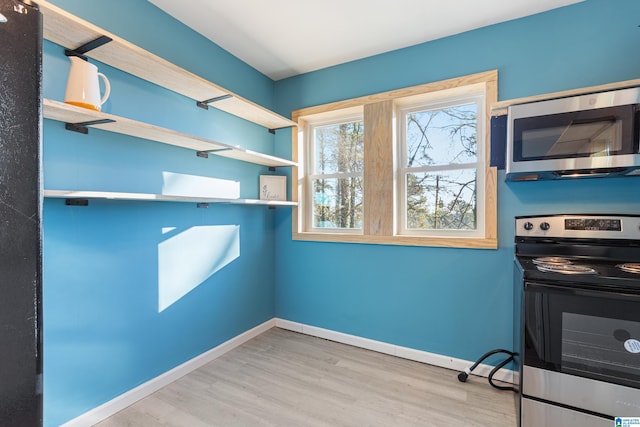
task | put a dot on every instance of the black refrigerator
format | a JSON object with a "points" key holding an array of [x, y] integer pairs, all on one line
{"points": [[20, 214]]}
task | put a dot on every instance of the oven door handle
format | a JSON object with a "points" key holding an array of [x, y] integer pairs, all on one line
{"points": [[599, 291]]}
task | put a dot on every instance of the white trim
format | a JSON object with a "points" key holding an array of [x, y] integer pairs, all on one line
{"points": [[119, 403], [396, 350]]}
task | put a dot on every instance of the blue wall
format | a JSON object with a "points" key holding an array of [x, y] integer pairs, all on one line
{"points": [[107, 265], [103, 330], [455, 302]]}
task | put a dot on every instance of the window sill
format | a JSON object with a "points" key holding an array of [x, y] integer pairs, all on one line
{"points": [[468, 243]]}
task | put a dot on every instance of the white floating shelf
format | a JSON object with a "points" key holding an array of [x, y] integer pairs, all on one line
{"points": [[109, 195], [71, 114], [72, 32]]}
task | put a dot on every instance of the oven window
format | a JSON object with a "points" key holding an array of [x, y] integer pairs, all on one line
{"points": [[591, 334], [602, 348]]}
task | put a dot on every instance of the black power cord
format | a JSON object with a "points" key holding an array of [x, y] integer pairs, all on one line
{"points": [[462, 376]]}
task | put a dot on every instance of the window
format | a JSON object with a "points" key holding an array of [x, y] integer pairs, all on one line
{"points": [[441, 163], [408, 167], [335, 164]]}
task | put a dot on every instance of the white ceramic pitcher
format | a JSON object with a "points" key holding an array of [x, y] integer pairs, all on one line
{"points": [[83, 87]]}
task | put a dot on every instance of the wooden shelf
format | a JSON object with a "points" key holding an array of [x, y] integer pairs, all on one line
{"points": [[72, 32], [109, 195], [71, 114]]}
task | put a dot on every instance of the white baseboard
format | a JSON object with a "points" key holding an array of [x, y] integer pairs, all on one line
{"points": [[113, 406], [455, 364], [119, 403]]}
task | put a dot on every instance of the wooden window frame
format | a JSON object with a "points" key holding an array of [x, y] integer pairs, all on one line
{"points": [[379, 225]]}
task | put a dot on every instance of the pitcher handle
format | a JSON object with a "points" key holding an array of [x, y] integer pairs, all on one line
{"points": [[107, 88]]}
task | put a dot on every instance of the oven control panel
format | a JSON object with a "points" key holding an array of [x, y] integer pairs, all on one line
{"points": [[593, 224], [580, 226]]}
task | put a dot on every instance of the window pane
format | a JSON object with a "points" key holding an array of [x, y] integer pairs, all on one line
{"points": [[445, 200], [337, 203], [339, 148], [442, 136]]}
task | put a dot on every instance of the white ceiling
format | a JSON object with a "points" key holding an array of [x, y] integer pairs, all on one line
{"points": [[282, 38]]}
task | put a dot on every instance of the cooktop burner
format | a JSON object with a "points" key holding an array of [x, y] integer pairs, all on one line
{"points": [[566, 268], [563, 265], [552, 260], [630, 267]]}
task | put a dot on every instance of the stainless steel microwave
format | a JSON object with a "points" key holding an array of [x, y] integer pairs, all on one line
{"points": [[585, 136]]}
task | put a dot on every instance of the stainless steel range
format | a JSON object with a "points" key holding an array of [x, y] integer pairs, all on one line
{"points": [[578, 305]]}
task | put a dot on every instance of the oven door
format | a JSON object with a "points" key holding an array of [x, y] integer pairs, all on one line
{"points": [[582, 348]]}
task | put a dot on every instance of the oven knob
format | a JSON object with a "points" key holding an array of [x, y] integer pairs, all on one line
{"points": [[528, 226], [544, 226]]}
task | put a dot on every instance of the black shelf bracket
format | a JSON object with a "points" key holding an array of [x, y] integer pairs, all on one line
{"points": [[273, 131], [272, 168], [205, 154], [80, 51], [205, 104], [202, 205], [82, 126], [76, 202]]}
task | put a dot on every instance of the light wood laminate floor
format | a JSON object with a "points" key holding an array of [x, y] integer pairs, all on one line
{"points": [[283, 378]]}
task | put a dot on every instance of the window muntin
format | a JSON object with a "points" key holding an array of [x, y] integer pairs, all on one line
{"points": [[441, 167], [335, 181]]}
